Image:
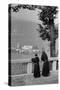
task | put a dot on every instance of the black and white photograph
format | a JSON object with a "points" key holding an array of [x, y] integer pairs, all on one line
{"points": [[32, 45]]}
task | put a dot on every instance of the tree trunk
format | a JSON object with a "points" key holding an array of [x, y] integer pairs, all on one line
{"points": [[52, 49], [52, 42]]}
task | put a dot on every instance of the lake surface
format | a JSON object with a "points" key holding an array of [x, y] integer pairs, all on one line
{"points": [[16, 55]]}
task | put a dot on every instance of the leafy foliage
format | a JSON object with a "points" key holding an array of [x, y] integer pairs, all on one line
{"points": [[47, 16], [16, 8]]}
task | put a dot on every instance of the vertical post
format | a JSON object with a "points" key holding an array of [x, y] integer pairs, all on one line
{"points": [[54, 66], [29, 68]]}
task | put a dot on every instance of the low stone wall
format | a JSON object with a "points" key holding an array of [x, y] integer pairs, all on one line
{"points": [[18, 67]]}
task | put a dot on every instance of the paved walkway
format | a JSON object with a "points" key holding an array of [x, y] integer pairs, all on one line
{"points": [[19, 80]]}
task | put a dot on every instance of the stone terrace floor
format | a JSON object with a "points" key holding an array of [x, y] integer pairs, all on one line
{"points": [[22, 80]]}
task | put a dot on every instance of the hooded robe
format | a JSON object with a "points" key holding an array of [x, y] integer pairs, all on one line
{"points": [[46, 67], [36, 67]]}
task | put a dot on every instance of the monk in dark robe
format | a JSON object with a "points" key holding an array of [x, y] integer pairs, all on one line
{"points": [[36, 66], [45, 69]]}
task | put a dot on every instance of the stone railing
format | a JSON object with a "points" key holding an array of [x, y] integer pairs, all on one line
{"points": [[53, 63], [23, 66]]}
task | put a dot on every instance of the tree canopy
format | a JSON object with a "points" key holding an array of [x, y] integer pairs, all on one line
{"points": [[16, 8], [47, 16]]}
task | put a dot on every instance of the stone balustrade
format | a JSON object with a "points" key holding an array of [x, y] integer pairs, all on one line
{"points": [[25, 66]]}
